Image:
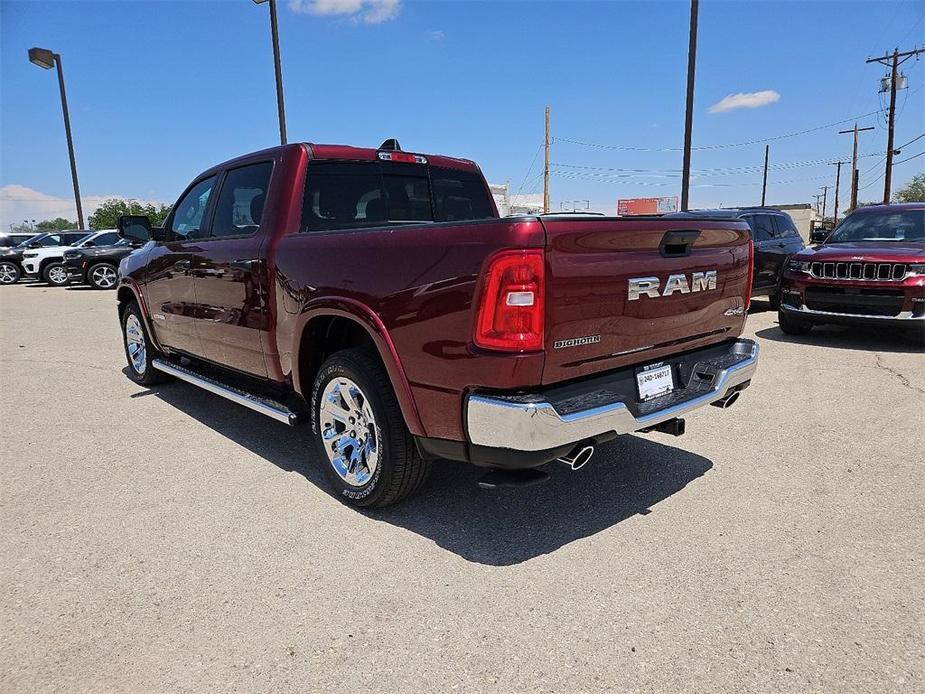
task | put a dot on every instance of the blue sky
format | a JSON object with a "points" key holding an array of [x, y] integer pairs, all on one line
{"points": [[161, 90]]}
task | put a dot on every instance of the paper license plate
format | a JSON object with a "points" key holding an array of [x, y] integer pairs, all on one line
{"points": [[654, 381]]}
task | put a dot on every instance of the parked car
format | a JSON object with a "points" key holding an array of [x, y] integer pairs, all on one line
{"points": [[14, 239], [47, 261], [53, 238], [376, 294], [97, 266], [10, 265], [11, 270], [870, 271], [776, 239]]}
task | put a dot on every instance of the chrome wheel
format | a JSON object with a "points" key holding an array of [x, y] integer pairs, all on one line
{"points": [[135, 343], [57, 275], [9, 273], [349, 431], [103, 276]]}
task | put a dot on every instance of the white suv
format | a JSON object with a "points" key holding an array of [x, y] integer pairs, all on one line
{"points": [[48, 263]]}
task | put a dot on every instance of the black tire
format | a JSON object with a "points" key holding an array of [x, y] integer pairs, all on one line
{"points": [[55, 274], [792, 326], [144, 374], [9, 272], [400, 471], [101, 273]]}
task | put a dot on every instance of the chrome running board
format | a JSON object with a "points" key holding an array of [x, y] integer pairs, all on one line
{"points": [[265, 406]]}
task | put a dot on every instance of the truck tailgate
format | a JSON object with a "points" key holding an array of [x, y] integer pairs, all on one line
{"points": [[592, 324]]}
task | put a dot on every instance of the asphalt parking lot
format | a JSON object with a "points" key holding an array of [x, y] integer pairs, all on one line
{"points": [[168, 540]]}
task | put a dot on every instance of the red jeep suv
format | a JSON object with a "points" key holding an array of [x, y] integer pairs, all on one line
{"points": [[870, 270]]}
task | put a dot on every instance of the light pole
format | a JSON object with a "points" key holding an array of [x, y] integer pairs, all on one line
{"points": [[274, 32], [47, 59]]}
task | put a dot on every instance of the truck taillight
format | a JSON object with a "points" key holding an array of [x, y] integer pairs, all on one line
{"points": [[751, 274], [511, 307]]}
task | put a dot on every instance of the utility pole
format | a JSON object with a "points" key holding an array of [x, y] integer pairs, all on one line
{"points": [[546, 168], [838, 165], [818, 197], [854, 163], [895, 60], [274, 37], [764, 185], [689, 113], [825, 192]]}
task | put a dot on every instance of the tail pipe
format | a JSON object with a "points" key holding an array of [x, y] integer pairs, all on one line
{"points": [[726, 401], [578, 458]]}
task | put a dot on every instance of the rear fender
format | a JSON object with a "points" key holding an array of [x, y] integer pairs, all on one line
{"points": [[368, 320]]}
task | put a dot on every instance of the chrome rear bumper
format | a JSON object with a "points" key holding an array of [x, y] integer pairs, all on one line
{"points": [[536, 425]]}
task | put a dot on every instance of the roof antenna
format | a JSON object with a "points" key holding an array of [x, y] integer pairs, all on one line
{"points": [[391, 144]]}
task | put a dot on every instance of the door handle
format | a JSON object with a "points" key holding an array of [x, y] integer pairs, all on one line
{"points": [[182, 266], [246, 265]]}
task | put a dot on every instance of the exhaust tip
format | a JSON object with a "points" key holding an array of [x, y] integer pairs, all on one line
{"points": [[584, 455], [580, 459], [727, 402]]}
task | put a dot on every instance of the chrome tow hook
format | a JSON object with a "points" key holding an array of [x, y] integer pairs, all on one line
{"points": [[579, 459]]}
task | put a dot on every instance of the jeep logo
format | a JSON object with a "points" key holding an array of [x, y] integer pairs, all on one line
{"points": [[649, 286]]}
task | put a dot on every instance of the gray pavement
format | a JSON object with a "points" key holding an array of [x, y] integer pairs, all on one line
{"points": [[167, 540]]}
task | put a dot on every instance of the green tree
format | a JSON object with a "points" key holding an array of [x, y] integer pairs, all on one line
{"points": [[913, 191], [55, 224], [108, 213]]}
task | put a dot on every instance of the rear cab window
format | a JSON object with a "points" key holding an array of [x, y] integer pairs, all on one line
{"points": [[353, 195]]}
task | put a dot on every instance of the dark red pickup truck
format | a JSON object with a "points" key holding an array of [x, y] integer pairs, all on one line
{"points": [[376, 294]]}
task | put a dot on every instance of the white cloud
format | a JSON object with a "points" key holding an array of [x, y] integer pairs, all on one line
{"points": [[365, 11], [18, 203], [435, 34], [745, 100]]}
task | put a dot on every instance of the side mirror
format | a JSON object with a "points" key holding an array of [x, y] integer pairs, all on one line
{"points": [[34, 244], [138, 229], [88, 244]]}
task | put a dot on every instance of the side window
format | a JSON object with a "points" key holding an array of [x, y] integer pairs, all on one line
{"points": [[187, 219], [106, 239], [71, 239], [785, 226], [240, 204], [51, 240], [762, 229]]}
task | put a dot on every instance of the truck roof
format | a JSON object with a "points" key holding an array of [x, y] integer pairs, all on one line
{"points": [[349, 153]]}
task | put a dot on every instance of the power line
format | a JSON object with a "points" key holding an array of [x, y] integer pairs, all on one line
{"points": [[532, 164], [717, 171], [598, 145], [903, 161], [914, 139]]}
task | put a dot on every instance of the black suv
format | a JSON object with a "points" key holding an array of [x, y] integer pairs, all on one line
{"points": [[99, 266], [776, 239]]}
